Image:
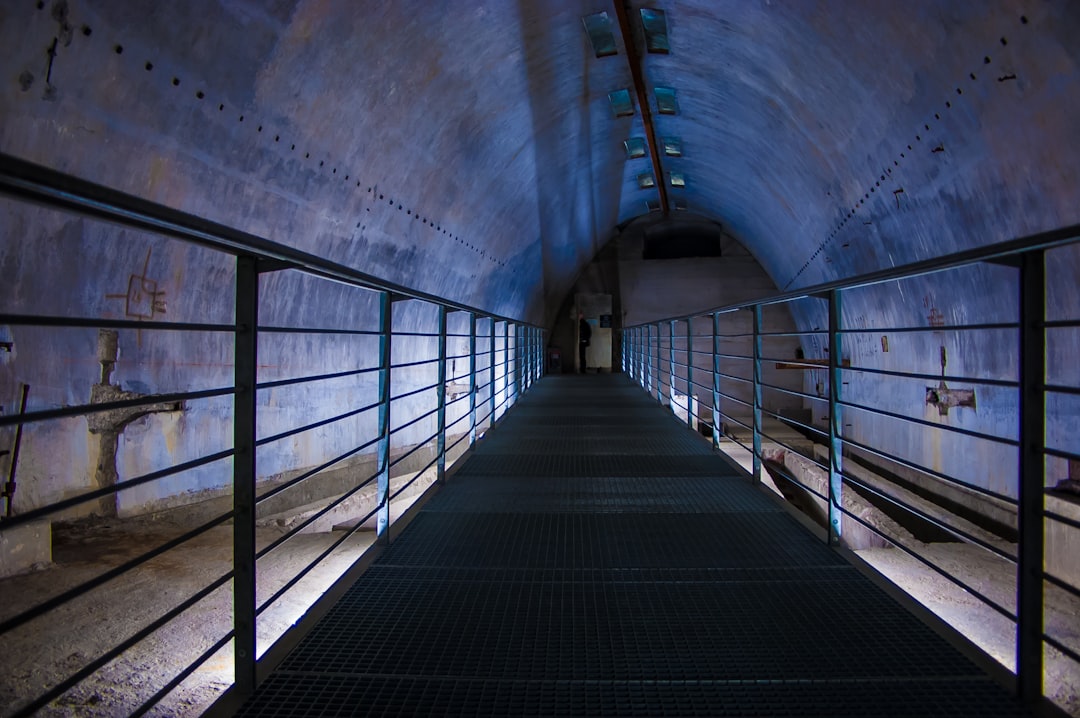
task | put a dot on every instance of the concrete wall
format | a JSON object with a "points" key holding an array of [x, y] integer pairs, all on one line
{"points": [[83, 268]]}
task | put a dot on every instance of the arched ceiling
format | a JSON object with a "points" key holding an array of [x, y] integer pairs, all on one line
{"points": [[469, 149]]}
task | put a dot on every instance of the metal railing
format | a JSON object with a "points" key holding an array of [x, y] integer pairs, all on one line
{"points": [[420, 390], [832, 433]]}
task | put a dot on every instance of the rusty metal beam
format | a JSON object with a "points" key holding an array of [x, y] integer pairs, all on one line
{"points": [[638, 73]]}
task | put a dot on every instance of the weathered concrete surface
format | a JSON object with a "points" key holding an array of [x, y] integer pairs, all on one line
{"points": [[25, 548]]}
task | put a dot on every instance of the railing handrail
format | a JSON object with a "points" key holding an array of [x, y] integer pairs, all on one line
{"points": [[45, 186], [991, 252]]}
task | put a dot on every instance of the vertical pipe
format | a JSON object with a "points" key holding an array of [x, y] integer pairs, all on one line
{"points": [[472, 378], [836, 422], [1029, 568], [245, 363], [757, 392], [382, 521], [715, 382], [441, 406], [13, 464], [690, 372]]}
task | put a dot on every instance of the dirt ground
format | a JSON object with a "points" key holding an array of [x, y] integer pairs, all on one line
{"points": [[42, 652], [995, 578]]}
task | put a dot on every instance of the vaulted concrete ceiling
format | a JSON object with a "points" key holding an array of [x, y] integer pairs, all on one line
{"points": [[469, 149]]}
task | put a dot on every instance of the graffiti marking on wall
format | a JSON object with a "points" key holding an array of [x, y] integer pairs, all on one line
{"points": [[142, 300]]}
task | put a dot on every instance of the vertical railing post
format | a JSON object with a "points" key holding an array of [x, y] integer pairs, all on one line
{"points": [[639, 355], [639, 358], [491, 390], [524, 352], [382, 516], [635, 354], [671, 363], [690, 372], [715, 382], [507, 379], [645, 347], [658, 373], [441, 406], [1029, 568], [836, 421], [757, 353], [245, 367], [534, 343], [472, 378]]}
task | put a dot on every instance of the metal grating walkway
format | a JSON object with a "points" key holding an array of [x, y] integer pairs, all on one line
{"points": [[594, 558]]}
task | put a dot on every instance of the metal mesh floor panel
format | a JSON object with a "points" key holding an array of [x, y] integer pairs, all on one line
{"points": [[592, 557], [287, 695], [530, 494], [523, 443], [571, 540], [548, 630], [578, 465]]}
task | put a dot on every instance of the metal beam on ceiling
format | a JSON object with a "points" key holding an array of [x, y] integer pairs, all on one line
{"points": [[622, 11]]}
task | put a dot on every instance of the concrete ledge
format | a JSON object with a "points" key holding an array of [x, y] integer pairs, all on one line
{"points": [[25, 548]]}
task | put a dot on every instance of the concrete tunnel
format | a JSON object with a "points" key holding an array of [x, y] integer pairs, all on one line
{"points": [[520, 161]]}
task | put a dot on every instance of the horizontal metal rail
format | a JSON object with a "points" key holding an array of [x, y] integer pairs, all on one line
{"points": [[928, 329], [83, 409], [318, 377], [923, 516], [932, 377], [316, 470], [318, 330], [931, 565], [296, 530], [919, 468], [923, 422], [34, 514], [37, 320], [315, 425]]}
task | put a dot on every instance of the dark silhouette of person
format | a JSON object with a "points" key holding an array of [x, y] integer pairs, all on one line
{"points": [[584, 335]]}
